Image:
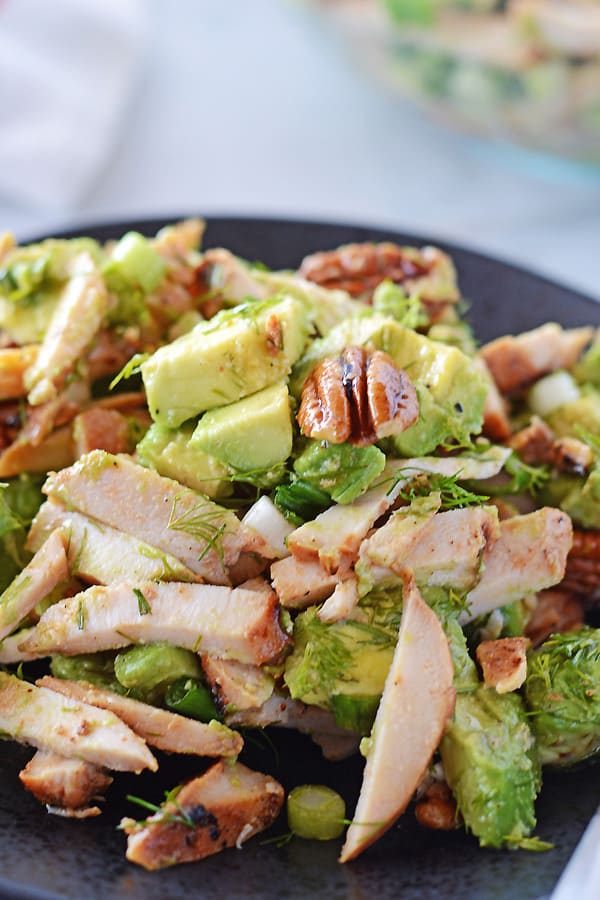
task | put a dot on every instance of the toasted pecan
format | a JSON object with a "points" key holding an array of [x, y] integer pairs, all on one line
{"points": [[437, 808], [557, 610], [358, 397]]}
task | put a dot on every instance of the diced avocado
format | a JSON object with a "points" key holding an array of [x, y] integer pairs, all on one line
{"points": [[356, 712], [585, 412], [490, 763], [578, 497], [562, 697], [95, 668], [170, 453], [352, 656], [587, 370], [390, 300], [341, 470], [147, 670], [254, 433], [451, 390], [236, 353]]}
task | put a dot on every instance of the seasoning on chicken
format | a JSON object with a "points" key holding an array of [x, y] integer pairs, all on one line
{"points": [[158, 727], [68, 784], [229, 622], [222, 808], [47, 720]]}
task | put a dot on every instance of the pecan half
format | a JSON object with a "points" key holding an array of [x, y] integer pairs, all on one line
{"points": [[437, 808], [359, 268], [358, 397], [504, 663]]}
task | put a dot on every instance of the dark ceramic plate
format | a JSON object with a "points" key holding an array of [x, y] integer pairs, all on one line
{"points": [[42, 856]]}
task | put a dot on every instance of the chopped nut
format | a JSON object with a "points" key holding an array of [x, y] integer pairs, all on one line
{"points": [[582, 575], [437, 808], [359, 268], [504, 663], [535, 443], [556, 611], [359, 397], [570, 455]]}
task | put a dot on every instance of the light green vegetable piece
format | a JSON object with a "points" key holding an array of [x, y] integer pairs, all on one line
{"points": [[170, 453], [316, 812], [491, 765], [238, 352], [587, 369], [341, 470], [585, 411], [95, 668], [134, 270], [147, 670], [562, 695], [254, 433], [20, 499], [578, 497]]}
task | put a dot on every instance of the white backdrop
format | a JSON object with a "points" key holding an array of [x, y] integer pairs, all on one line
{"points": [[252, 106]]}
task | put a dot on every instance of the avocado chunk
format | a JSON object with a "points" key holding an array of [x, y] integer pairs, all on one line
{"points": [[236, 353], [561, 695], [341, 470], [170, 453], [254, 433], [491, 765], [451, 391], [578, 497], [585, 411], [351, 657]]}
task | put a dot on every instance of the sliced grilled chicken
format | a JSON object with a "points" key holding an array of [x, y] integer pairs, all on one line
{"points": [[334, 537], [204, 536], [300, 584], [444, 550], [41, 575], [417, 701], [530, 555], [515, 362], [9, 648], [101, 554], [236, 686], [47, 720], [102, 429], [61, 782], [228, 622], [221, 808], [53, 452], [341, 603], [279, 710], [158, 727], [73, 326]]}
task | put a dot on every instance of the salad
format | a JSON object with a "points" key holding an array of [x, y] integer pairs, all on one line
{"points": [[236, 498]]}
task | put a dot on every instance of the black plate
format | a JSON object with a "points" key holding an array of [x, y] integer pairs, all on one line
{"points": [[43, 856]]}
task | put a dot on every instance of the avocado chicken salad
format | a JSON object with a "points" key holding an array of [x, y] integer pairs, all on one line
{"points": [[235, 498]]}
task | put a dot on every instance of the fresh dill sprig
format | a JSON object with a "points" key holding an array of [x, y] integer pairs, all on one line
{"points": [[452, 494], [143, 605], [202, 522], [592, 440], [181, 816], [132, 367]]}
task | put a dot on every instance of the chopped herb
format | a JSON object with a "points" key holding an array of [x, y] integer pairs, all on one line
{"points": [[203, 522], [143, 605], [133, 367], [80, 615], [452, 494]]}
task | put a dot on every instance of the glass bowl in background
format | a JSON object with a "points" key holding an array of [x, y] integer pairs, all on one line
{"points": [[523, 70]]}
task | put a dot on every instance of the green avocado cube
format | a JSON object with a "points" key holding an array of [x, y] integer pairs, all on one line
{"points": [[254, 433], [170, 453], [236, 353]]}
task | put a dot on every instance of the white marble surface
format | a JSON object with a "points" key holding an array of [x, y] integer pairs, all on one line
{"points": [[254, 107]]}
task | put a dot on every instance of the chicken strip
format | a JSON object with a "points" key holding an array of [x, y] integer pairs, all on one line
{"points": [[100, 554], [236, 686], [61, 782], [516, 362], [417, 701], [158, 727], [221, 808], [228, 622], [74, 324], [43, 574], [184, 523], [47, 720], [530, 555]]}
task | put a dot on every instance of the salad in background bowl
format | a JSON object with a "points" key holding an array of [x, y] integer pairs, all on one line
{"points": [[523, 70]]}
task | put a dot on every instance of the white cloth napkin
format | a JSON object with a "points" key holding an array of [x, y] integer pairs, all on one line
{"points": [[68, 69]]}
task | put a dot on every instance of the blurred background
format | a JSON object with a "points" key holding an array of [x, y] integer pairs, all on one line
{"points": [[471, 120]]}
